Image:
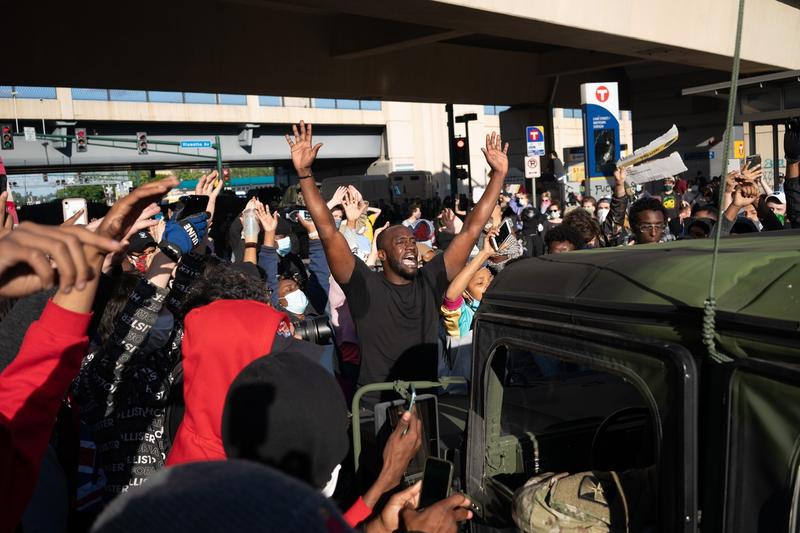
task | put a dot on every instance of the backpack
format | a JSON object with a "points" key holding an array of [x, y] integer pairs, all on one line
{"points": [[587, 502]]}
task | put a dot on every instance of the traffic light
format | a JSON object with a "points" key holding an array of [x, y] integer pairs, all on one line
{"points": [[81, 140], [460, 151], [141, 142], [7, 136]]}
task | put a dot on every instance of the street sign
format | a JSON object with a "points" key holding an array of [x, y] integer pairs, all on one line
{"points": [[533, 167], [534, 137], [30, 133], [195, 144]]}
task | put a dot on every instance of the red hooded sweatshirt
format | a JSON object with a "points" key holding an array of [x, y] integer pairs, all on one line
{"points": [[220, 340]]}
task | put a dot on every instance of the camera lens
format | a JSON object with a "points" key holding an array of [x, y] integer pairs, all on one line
{"points": [[315, 329]]}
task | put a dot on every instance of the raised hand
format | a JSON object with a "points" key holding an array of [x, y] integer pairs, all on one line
{"points": [[745, 194], [205, 185], [402, 445], [449, 220], [619, 176], [269, 221], [303, 151], [355, 193], [753, 174], [488, 248], [352, 209], [28, 253], [337, 198], [126, 211], [496, 154], [182, 236]]}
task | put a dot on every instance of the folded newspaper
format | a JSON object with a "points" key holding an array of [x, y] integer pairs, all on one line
{"points": [[644, 153], [656, 169]]}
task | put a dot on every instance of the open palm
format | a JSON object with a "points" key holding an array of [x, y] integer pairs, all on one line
{"points": [[496, 154], [303, 151]]}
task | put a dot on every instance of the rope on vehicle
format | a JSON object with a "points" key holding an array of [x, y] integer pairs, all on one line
{"points": [[710, 305]]}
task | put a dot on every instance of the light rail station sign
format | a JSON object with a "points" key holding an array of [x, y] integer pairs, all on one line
{"points": [[600, 106]]}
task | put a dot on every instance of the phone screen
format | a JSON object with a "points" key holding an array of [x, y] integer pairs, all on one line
{"points": [[435, 482], [3, 183], [505, 231], [193, 204], [70, 206]]}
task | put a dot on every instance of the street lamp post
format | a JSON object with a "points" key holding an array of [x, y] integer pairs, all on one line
{"points": [[466, 119]]}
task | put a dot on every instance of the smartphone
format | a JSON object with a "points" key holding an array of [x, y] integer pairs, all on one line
{"points": [[436, 482], [70, 206], [752, 160], [192, 205], [3, 183], [505, 232]]}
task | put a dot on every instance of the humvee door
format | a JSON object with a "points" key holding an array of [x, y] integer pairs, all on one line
{"points": [[550, 397], [760, 441]]}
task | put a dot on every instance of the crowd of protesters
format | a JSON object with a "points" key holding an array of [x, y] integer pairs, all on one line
{"points": [[156, 366]]}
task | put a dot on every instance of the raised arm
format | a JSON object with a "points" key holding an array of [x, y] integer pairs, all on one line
{"points": [[340, 258], [456, 255], [459, 284]]}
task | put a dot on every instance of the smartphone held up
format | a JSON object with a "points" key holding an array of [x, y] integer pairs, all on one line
{"points": [[71, 206]]}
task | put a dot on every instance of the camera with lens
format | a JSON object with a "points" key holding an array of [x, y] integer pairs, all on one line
{"points": [[315, 329]]}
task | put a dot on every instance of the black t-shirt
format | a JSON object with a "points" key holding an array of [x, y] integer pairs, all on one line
{"points": [[397, 325]]}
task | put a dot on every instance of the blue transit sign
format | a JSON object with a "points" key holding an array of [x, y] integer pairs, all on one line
{"points": [[195, 144]]}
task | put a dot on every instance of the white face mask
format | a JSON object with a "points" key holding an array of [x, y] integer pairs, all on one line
{"points": [[284, 246], [296, 302], [330, 488], [602, 213]]}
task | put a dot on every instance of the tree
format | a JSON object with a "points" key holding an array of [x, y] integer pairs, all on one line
{"points": [[92, 193]]}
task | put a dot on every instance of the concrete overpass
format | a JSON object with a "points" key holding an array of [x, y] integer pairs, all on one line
{"points": [[525, 53], [459, 51]]}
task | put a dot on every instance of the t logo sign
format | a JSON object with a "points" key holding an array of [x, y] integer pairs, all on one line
{"points": [[601, 93]]}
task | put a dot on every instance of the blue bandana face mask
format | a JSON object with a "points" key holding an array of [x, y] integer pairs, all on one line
{"points": [[338, 223], [284, 246]]}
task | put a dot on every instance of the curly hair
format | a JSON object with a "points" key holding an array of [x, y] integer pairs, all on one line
{"points": [[584, 222], [564, 233], [220, 281], [645, 204]]}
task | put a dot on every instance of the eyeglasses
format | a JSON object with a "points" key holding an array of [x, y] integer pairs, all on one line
{"points": [[652, 227], [552, 210]]}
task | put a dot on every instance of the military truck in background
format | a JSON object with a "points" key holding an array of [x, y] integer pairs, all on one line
{"points": [[394, 187]]}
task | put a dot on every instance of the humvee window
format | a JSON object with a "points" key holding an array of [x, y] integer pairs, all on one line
{"points": [[571, 417]]}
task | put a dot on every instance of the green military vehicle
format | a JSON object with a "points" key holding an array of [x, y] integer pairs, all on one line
{"points": [[595, 361]]}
